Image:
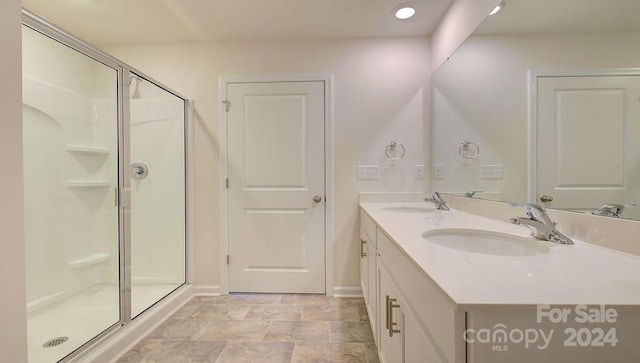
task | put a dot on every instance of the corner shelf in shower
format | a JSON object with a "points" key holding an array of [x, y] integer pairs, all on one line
{"points": [[88, 183], [84, 149], [89, 260]]}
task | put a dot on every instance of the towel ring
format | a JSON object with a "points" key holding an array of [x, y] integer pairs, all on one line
{"points": [[391, 147], [464, 148]]}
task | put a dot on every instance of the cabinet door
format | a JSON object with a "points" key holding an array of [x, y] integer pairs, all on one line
{"points": [[417, 346], [364, 266], [402, 339], [390, 317], [372, 305]]}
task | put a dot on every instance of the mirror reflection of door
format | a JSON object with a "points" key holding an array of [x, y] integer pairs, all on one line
{"points": [[587, 154]]}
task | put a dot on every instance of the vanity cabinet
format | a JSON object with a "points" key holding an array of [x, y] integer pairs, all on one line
{"points": [[411, 318], [438, 305], [368, 273]]}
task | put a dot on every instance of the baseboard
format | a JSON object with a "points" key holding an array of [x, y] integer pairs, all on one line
{"points": [[211, 290], [114, 345], [347, 291]]}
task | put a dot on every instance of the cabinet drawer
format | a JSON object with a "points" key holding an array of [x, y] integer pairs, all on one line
{"points": [[369, 227], [427, 303]]}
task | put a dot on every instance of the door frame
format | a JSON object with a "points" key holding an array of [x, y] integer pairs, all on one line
{"points": [[328, 167], [532, 112]]}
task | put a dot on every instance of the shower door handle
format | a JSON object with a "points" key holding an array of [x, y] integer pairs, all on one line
{"points": [[139, 170]]}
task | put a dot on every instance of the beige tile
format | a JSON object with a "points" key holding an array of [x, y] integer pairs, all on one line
{"points": [[178, 329], [186, 310], [351, 332], [251, 352], [220, 312], [139, 351], [328, 352], [362, 312], [274, 312], [209, 299], [193, 351], [371, 353], [305, 299], [347, 301], [234, 330], [254, 299], [289, 331], [330, 313], [261, 328]]}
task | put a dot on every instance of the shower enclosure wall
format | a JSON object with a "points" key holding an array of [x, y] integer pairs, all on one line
{"points": [[105, 211]]}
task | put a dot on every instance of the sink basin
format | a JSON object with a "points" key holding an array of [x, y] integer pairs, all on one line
{"points": [[486, 242], [410, 209]]}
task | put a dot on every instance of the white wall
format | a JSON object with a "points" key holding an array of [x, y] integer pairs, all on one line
{"points": [[13, 334], [379, 96], [458, 23], [482, 94]]}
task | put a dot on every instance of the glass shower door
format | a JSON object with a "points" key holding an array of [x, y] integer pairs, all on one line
{"points": [[157, 146], [70, 117]]}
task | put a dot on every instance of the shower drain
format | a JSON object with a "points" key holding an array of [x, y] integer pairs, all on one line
{"points": [[55, 342]]}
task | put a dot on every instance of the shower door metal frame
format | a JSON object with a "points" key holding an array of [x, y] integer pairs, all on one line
{"points": [[123, 195]]}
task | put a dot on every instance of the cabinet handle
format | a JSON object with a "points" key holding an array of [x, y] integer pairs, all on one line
{"points": [[390, 322], [362, 243], [386, 312]]}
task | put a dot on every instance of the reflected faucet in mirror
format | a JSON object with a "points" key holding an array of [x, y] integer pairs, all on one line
{"points": [[436, 199], [471, 194], [541, 226], [612, 210]]}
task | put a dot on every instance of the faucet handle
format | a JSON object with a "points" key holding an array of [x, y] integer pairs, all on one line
{"points": [[536, 212]]}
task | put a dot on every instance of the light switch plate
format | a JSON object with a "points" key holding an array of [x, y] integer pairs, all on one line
{"points": [[438, 172], [419, 172], [491, 171], [368, 172]]}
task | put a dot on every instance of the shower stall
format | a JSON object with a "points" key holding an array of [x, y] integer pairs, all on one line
{"points": [[105, 192]]}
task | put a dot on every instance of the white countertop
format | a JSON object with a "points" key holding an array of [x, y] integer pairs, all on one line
{"points": [[574, 274]]}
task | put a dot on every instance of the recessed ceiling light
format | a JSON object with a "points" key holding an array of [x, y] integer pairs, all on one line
{"points": [[497, 8], [405, 12]]}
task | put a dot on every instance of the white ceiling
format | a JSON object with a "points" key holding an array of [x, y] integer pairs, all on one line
{"points": [[102, 22]]}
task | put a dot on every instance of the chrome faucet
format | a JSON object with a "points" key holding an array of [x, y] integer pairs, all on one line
{"points": [[436, 199], [610, 210], [541, 226]]}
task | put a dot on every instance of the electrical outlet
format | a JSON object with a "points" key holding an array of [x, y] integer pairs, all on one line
{"points": [[438, 172], [368, 172], [490, 171], [419, 172]]}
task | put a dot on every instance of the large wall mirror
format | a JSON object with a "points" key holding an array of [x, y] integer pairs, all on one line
{"points": [[542, 104]]}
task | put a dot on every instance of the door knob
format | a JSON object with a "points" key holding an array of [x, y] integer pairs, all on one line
{"points": [[546, 199], [317, 199]]}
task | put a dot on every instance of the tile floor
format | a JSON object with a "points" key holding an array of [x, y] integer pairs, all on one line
{"points": [[261, 328]]}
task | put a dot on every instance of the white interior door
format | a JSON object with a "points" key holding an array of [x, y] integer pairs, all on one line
{"points": [[587, 153], [276, 170]]}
